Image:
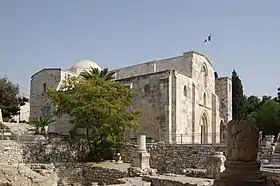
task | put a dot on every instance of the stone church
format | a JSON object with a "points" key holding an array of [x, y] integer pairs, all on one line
{"points": [[182, 99]]}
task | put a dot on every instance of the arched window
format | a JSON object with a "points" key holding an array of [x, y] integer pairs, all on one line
{"points": [[204, 99], [204, 129], [185, 91], [204, 75], [44, 87]]}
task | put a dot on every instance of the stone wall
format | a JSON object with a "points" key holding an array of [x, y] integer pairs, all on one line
{"points": [[86, 174], [46, 151], [223, 90], [153, 103], [39, 151], [10, 152], [175, 158]]}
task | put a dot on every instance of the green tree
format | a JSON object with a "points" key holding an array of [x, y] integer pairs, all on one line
{"points": [[238, 101], [105, 74], [99, 112], [9, 102], [40, 122], [267, 116], [252, 103]]}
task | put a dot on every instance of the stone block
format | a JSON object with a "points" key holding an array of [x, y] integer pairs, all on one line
{"points": [[141, 159], [215, 165], [242, 167]]}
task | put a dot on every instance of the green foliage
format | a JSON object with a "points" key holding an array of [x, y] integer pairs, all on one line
{"points": [[238, 99], [105, 74], [40, 122], [99, 112], [267, 115], [9, 103]]}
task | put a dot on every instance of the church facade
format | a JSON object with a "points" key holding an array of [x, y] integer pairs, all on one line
{"points": [[181, 100]]}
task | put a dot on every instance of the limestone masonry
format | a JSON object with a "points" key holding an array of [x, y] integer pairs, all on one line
{"points": [[182, 100]]}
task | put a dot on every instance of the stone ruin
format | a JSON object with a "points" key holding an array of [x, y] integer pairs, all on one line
{"points": [[141, 159], [241, 166]]}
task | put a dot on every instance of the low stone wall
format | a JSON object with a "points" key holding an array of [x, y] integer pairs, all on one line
{"points": [[175, 158], [10, 152], [38, 151], [88, 173], [46, 151], [178, 180]]}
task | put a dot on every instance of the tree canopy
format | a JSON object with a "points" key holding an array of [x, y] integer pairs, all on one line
{"points": [[99, 112], [9, 101], [238, 101], [105, 74], [265, 112], [40, 122]]}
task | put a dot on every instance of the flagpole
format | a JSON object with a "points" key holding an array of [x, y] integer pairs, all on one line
{"points": [[208, 40]]}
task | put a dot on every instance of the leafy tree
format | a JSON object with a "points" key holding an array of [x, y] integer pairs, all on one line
{"points": [[238, 101], [105, 74], [9, 102], [99, 113], [40, 122], [267, 116], [252, 103]]}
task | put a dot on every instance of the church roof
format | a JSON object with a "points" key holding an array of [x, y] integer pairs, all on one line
{"points": [[84, 64]]}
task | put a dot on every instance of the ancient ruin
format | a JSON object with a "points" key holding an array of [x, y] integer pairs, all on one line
{"points": [[36, 160], [242, 167], [215, 165]]}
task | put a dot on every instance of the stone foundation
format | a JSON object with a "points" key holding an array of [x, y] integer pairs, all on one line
{"points": [[85, 174], [176, 158]]}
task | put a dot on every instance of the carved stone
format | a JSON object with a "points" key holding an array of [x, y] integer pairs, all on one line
{"points": [[241, 166], [118, 158], [269, 139], [141, 143], [141, 158], [215, 165]]}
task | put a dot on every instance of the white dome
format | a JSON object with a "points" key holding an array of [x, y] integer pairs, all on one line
{"points": [[84, 65]]}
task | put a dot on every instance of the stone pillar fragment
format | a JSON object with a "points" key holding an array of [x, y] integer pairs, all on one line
{"points": [[241, 166], [141, 158], [215, 165], [141, 143]]}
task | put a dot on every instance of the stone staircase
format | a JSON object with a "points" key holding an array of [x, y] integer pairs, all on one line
{"points": [[276, 155], [275, 159]]}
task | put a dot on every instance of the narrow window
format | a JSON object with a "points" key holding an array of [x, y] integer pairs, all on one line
{"points": [[204, 99], [44, 87], [185, 91], [204, 76]]}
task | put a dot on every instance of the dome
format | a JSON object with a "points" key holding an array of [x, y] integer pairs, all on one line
{"points": [[84, 65]]}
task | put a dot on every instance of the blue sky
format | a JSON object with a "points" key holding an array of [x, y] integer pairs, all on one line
{"points": [[116, 33]]}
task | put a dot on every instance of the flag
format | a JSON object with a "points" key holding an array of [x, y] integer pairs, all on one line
{"points": [[208, 39]]}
